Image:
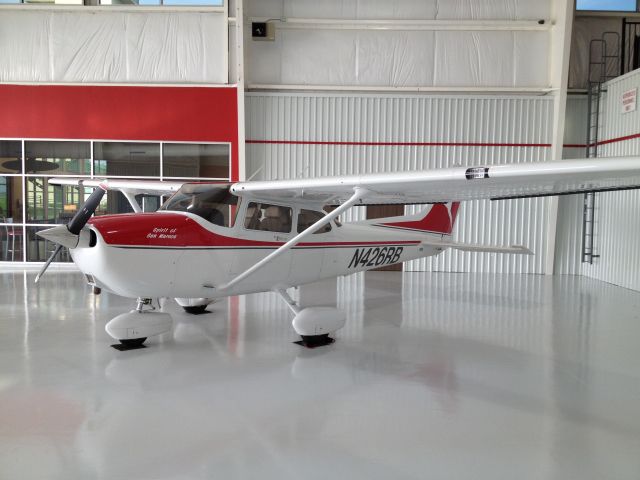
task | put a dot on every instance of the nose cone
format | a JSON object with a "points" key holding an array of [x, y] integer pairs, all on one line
{"points": [[60, 235]]}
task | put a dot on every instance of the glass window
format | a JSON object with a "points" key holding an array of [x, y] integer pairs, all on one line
{"points": [[211, 3], [11, 243], [4, 198], [10, 199], [149, 203], [195, 160], [10, 156], [120, 159], [39, 249], [214, 203], [115, 202], [270, 218], [58, 158], [607, 5], [47, 203], [306, 218]]}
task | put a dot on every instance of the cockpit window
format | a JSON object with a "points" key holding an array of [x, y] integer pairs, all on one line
{"points": [[306, 218], [214, 203], [270, 218]]}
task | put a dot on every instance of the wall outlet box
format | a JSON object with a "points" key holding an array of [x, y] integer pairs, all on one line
{"points": [[263, 31]]}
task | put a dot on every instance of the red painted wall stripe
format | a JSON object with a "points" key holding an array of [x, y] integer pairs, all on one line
{"points": [[435, 144], [604, 142], [397, 144], [187, 114], [619, 139]]}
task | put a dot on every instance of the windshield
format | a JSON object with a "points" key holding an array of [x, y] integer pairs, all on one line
{"points": [[214, 203]]}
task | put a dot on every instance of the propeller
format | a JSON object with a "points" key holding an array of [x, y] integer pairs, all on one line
{"points": [[68, 235]]}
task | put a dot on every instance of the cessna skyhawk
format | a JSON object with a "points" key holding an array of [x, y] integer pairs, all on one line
{"points": [[213, 240]]}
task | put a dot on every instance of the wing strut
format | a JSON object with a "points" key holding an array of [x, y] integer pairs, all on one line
{"points": [[358, 195], [131, 198]]}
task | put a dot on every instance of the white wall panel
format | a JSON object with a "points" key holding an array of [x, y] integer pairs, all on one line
{"points": [[113, 47], [618, 213], [296, 135], [401, 58], [402, 10], [25, 60]]}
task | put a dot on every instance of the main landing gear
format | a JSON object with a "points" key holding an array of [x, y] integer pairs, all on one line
{"points": [[133, 328], [194, 306], [314, 324]]}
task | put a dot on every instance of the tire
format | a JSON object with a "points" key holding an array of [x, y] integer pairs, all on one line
{"points": [[196, 309], [133, 342]]}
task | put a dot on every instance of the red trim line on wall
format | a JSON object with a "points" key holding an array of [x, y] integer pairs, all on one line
{"points": [[398, 144], [435, 144], [604, 142], [104, 112]]}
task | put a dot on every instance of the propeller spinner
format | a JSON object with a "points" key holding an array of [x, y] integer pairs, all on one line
{"points": [[68, 235]]}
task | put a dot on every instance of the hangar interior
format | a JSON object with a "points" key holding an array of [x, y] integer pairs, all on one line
{"points": [[462, 365]]}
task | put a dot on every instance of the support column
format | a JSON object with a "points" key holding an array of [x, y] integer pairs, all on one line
{"points": [[239, 59], [562, 12]]}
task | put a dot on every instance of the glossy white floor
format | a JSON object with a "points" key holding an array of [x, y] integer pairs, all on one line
{"points": [[434, 376]]}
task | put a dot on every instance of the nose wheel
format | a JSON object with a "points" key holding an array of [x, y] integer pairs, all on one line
{"points": [[130, 344]]}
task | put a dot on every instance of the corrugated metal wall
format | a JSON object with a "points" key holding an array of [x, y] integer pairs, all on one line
{"points": [[305, 135], [617, 213], [569, 231], [617, 226]]}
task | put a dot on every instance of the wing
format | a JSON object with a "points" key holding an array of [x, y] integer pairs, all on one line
{"points": [[135, 187], [129, 188], [459, 184]]}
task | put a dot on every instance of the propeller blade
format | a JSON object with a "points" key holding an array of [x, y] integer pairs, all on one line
{"points": [[46, 265], [81, 218], [68, 235]]}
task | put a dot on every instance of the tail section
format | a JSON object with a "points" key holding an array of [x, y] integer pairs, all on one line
{"points": [[440, 218]]}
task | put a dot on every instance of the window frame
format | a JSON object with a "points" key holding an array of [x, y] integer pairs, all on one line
{"points": [[26, 226]]}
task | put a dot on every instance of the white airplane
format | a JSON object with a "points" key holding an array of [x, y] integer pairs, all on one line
{"points": [[213, 240]]}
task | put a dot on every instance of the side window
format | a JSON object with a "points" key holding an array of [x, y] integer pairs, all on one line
{"points": [[270, 218], [306, 218]]}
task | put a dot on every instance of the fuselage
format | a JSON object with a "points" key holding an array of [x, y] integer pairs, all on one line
{"points": [[180, 254]]}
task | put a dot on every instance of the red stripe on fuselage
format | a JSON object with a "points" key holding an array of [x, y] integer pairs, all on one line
{"points": [[175, 230]]}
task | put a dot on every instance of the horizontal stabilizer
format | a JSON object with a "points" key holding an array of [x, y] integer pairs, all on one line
{"points": [[471, 247]]}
